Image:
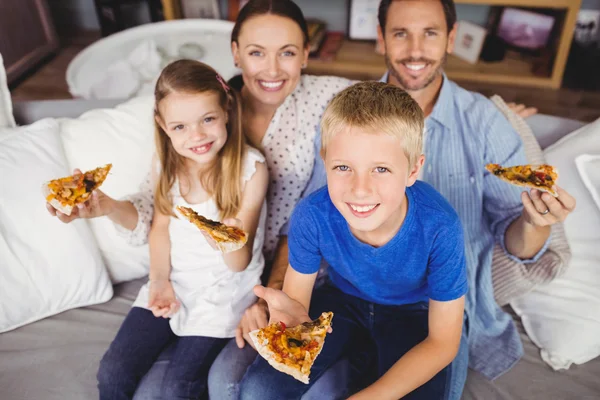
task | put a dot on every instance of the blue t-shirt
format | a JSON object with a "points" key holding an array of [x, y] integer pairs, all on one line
{"points": [[424, 260]]}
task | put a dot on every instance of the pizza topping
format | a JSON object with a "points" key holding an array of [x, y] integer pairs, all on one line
{"points": [[72, 190], [541, 177], [282, 325]]}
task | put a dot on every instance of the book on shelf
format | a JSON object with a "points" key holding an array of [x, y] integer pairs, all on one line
{"points": [[331, 44], [316, 34]]}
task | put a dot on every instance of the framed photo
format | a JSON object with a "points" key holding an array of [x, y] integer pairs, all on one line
{"points": [[469, 41], [208, 9], [586, 29], [525, 30], [362, 19]]}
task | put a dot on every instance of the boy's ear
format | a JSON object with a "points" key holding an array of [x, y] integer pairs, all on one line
{"points": [[414, 172], [322, 153]]}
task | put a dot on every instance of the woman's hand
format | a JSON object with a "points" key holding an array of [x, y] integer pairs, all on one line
{"points": [[98, 205], [162, 300], [522, 110]]}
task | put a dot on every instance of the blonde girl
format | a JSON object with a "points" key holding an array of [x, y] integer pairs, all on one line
{"points": [[196, 295]]}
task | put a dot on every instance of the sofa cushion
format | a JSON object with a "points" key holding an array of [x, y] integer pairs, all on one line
{"points": [[512, 279], [588, 166], [563, 317], [6, 116], [46, 266], [123, 136]]}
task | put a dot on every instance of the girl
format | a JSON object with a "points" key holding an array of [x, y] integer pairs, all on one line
{"points": [[195, 296]]}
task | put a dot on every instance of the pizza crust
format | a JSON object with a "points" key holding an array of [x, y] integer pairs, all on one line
{"points": [[54, 202], [264, 352]]}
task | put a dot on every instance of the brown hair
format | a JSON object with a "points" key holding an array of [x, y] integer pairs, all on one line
{"points": [[282, 8], [379, 107], [447, 5], [223, 179]]}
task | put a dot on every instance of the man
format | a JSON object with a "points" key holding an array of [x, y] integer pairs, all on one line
{"points": [[463, 132]]}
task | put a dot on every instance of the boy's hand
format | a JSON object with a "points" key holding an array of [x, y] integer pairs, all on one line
{"points": [[161, 299], [282, 308]]}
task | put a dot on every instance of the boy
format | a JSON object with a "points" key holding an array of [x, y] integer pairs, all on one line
{"points": [[397, 275]]}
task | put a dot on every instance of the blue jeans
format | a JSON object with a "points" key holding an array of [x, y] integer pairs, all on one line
{"points": [[140, 340], [388, 332]]}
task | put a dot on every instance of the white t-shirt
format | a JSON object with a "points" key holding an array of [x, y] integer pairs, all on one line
{"points": [[213, 298]]}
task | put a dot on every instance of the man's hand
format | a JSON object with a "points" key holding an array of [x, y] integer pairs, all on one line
{"points": [[521, 110], [542, 209], [98, 205], [282, 308], [255, 317]]}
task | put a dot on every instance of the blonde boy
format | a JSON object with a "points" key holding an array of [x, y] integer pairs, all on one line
{"points": [[395, 251]]}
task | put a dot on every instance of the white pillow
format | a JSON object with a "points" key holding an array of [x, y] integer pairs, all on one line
{"points": [[123, 136], [563, 317], [46, 267], [589, 170], [6, 113]]}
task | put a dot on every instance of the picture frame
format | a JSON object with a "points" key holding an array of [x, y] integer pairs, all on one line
{"points": [[207, 9], [525, 30], [469, 41], [362, 19], [587, 27]]}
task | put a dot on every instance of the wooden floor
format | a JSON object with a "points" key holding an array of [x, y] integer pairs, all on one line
{"points": [[49, 82]]}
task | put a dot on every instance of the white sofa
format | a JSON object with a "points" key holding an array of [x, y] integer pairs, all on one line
{"points": [[57, 357]]}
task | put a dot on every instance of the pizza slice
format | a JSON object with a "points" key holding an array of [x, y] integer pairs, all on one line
{"points": [[542, 177], [65, 193], [292, 350], [227, 238]]}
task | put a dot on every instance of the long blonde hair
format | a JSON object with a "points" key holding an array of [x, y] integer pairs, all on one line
{"points": [[222, 180]]}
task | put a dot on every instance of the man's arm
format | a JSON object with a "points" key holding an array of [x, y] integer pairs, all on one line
{"points": [[426, 359]]}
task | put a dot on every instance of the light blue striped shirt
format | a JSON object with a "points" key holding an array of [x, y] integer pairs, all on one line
{"points": [[464, 132]]}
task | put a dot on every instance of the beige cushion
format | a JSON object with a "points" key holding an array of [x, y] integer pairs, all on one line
{"points": [[512, 279]]}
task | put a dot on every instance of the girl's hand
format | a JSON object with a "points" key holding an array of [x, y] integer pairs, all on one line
{"points": [[227, 221], [161, 300], [98, 205]]}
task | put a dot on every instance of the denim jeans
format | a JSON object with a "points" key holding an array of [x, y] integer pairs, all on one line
{"points": [[388, 332], [140, 340]]}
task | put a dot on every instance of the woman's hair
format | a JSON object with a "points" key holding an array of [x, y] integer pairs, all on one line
{"points": [[380, 108], [222, 180], [282, 8]]}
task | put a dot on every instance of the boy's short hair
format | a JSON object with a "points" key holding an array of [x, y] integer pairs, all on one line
{"points": [[379, 107]]}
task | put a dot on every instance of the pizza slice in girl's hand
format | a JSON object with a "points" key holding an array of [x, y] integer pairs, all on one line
{"points": [[227, 238], [541, 177], [292, 350], [65, 193]]}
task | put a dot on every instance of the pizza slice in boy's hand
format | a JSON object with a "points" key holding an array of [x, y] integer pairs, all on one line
{"points": [[541, 177], [65, 193], [227, 238], [292, 350]]}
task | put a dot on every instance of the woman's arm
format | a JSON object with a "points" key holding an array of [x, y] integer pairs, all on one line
{"points": [[253, 198], [427, 358]]}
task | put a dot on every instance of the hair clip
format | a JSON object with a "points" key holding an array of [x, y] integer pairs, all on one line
{"points": [[222, 82]]}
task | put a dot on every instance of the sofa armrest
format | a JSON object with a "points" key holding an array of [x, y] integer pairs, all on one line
{"points": [[27, 112]]}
